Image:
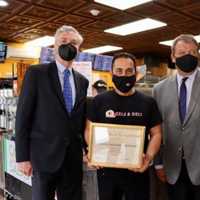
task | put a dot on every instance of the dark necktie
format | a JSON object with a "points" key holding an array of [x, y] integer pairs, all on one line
{"points": [[183, 100], [67, 91]]}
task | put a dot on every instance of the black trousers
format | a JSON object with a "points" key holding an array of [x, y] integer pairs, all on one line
{"points": [[115, 183], [65, 182], [183, 189]]}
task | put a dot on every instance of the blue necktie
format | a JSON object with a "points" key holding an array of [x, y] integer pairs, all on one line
{"points": [[183, 100], [67, 91]]}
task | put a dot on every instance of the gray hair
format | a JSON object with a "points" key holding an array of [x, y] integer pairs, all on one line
{"points": [[187, 38], [67, 29]]}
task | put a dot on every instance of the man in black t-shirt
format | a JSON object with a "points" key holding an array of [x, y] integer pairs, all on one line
{"points": [[126, 106]]}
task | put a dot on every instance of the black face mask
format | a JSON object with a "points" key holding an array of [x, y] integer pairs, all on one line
{"points": [[67, 51], [124, 83], [187, 63]]}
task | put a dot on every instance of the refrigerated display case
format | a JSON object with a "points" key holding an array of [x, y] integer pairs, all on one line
{"points": [[14, 185]]}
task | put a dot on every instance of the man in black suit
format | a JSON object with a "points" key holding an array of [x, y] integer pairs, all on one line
{"points": [[50, 122]]}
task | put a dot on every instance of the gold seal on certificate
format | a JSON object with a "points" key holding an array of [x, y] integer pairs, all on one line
{"points": [[118, 146]]}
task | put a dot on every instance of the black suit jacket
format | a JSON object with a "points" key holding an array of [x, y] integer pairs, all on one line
{"points": [[44, 129]]}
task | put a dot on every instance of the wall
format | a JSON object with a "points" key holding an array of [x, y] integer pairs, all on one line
{"points": [[9, 66]]}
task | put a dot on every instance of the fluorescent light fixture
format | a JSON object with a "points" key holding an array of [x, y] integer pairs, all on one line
{"points": [[102, 49], [136, 27], [197, 37], [41, 42], [3, 3], [170, 42], [122, 4], [167, 42]]}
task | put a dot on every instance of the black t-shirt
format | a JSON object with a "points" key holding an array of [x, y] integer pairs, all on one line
{"points": [[137, 109]]}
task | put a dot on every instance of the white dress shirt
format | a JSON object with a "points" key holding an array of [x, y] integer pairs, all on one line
{"points": [[189, 84], [61, 68]]}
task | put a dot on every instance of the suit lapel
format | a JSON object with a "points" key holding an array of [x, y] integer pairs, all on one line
{"points": [[78, 87], [55, 82], [173, 90], [194, 96]]}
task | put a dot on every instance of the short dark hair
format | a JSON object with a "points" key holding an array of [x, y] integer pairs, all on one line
{"points": [[124, 55], [100, 86]]}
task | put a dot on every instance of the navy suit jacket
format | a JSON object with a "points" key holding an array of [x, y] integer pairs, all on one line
{"points": [[44, 129]]}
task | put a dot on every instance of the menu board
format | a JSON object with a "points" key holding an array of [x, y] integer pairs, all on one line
{"points": [[102, 63], [85, 68]]}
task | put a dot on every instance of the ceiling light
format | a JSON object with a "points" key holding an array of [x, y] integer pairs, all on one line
{"points": [[167, 42], [197, 38], [95, 12], [102, 49], [122, 5], [170, 42], [3, 3], [41, 42], [136, 27]]}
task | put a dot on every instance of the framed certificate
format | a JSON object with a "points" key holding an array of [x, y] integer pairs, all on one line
{"points": [[118, 146]]}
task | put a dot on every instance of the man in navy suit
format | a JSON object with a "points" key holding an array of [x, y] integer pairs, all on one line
{"points": [[50, 122]]}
